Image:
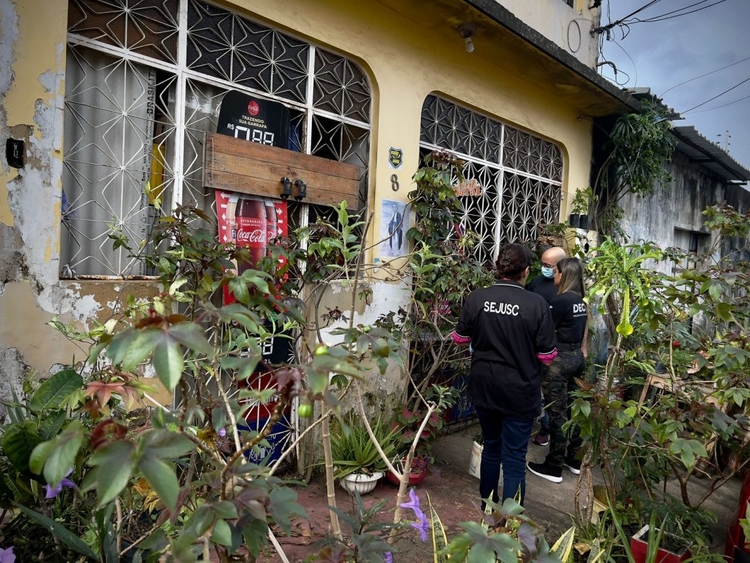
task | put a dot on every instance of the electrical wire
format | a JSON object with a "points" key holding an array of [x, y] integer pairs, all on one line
{"points": [[716, 96], [706, 74], [665, 17], [621, 20], [635, 81], [683, 8], [626, 21], [722, 105]]}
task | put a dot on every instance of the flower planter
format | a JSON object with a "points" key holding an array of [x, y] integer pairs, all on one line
{"points": [[361, 483], [578, 221], [414, 478], [416, 475], [475, 461], [639, 548]]}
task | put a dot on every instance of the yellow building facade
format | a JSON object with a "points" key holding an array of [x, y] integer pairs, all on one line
{"points": [[110, 104]]}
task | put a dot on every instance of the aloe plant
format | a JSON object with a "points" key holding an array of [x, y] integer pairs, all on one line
{"points": [[353, 450]]}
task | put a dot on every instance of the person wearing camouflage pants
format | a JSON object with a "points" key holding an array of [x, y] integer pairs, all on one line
{"points": [[570, 317], [558, 384]]}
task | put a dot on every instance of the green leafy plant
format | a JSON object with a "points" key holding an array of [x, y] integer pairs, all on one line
{"points": [[442, 271], [693, 369], [508, 536], [178, 480], [354, 451], [410, 422], [582, 201], [638, 146]]}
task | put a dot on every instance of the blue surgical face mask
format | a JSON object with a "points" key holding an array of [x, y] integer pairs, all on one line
{"points": [[548, 273]]}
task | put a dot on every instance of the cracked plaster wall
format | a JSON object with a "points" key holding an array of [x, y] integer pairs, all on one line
{"points": [[32, 56]]}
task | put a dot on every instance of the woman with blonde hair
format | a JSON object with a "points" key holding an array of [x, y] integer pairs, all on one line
{"points": [[570, 316]]}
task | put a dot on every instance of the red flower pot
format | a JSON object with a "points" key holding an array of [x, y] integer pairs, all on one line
{"points": [[639, 548], [416, 476]]}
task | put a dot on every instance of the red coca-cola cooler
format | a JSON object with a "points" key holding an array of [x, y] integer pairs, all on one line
{"points": [[736, 549], [257, 414]]}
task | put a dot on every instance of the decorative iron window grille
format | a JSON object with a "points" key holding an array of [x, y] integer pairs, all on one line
{"points": [[520, 174], [144, 82]]}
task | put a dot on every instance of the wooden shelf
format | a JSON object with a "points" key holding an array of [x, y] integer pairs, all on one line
{"points": [[238, 165]]}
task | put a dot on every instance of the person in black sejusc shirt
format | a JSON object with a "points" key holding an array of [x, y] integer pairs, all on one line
{"points": [[511, 333]]}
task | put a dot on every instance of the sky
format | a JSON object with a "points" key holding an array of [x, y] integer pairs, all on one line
{"points": [[660, 55]]}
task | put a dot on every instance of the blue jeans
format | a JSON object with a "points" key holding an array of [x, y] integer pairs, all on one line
{"points": [[506, 441]]}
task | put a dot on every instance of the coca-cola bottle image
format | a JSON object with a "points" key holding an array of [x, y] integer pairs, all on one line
{"points": [[272, 227], [251, 230], [231, 214]]}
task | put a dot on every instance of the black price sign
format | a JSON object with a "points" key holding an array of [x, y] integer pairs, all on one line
{"points": [[254, 119]]}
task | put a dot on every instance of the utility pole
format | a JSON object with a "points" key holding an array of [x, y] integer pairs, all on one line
{"points": [[726, 138]]}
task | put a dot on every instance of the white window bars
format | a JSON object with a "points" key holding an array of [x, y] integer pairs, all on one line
{"points": [[520, 174]]}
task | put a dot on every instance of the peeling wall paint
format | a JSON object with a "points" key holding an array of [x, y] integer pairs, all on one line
{"points": [[675, 205], [32, 89], [32, 112], [8, 38]]}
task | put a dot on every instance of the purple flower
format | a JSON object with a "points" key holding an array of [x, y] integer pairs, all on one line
{"points": [[387, 557], [413, 504], [7, 555], [222, 432], [422, 524], [53, 491]]}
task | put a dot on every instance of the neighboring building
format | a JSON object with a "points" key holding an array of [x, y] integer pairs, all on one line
{"points": [[672, 216], [105, 108]]}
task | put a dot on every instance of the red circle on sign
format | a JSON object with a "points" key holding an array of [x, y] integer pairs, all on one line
{"points": [[253, 108]]}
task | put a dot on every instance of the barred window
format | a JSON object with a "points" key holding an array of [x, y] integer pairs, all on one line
{"points": [[520, 174], [144, 83]]}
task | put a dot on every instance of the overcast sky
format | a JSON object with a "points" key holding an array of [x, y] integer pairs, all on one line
{"points": [[666, 53]]}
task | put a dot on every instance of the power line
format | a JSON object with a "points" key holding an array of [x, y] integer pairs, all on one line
{"points": [[667, 16], [610, 25], [679, 12], [723, 105], [702, 75], [716, 96], [632, 61], [683, 8]]}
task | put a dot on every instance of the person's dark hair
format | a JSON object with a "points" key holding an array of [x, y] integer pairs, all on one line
{"points": [[512, 261], [571, 270]]}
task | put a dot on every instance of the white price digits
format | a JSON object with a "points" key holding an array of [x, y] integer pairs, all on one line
{"points": [[255, 135]]}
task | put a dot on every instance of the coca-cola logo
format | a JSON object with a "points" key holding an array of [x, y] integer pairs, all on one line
{"points": [[256, 236], [253, 108]]}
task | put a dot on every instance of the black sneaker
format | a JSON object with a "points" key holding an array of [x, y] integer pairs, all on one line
{"points": [[542, 438], [545, 471], [573, 465]]}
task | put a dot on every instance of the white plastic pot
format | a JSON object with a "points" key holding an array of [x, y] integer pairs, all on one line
{"points": [[361, 483], [475, 460]]}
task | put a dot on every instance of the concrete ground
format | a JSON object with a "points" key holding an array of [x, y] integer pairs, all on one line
{"points": [[454, 493]]}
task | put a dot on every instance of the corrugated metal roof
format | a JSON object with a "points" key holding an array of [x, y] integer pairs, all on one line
{"points": [[695, 146], [699, 149]]}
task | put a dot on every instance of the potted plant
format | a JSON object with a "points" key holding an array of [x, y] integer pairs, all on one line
{"points": [[677, 383], [475, 460], [579, 209], [670, 548], [355, 456], [417, 473]]}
